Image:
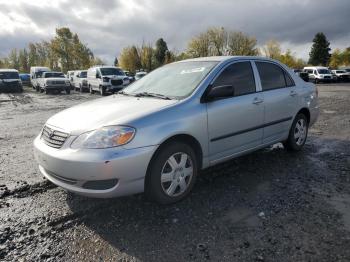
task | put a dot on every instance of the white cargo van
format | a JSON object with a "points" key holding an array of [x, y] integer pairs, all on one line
{"points": [[319, 74], [36, 73]]}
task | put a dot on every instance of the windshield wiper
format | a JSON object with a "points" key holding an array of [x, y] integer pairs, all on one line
{"points": [[153, 95]]}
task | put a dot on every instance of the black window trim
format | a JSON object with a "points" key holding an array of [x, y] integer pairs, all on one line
{"points": [[284, 75], [224, 68]]}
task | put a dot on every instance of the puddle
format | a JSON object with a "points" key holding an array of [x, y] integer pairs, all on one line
{"points": [[242, 217]]}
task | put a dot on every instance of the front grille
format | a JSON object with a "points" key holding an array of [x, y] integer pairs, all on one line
{"points": [[327, 77], [57, 82], [53, 138], [116, 82]]}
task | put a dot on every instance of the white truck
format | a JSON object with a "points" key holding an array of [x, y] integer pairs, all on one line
{"points": [[342, 75], [53, 81], [80, 81], [35, 74]]}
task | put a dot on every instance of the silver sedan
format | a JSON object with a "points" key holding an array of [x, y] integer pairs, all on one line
{"points": [[159, 132]]}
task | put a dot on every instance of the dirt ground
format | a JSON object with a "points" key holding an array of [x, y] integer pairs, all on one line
{"points": [[267, 206]]}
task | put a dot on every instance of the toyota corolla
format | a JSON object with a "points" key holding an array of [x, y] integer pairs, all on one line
{"points": [[159, 132]]}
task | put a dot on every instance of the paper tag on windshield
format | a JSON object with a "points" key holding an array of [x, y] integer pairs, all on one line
{"points": [[193, 70]]}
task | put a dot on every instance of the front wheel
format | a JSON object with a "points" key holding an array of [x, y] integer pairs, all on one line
{"points": [[172, 173], [102, 91], [297, 134], [67, 91]]}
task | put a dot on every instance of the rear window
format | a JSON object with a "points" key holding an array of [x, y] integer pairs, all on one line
{"points": [[9, 75], [83, 74], [271, 76]]}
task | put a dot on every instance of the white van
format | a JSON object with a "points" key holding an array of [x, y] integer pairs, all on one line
{"points": [[319, 74], [105, 79], [36, 73]]}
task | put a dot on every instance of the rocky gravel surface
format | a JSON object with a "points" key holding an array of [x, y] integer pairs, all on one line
{"points": [[271, 205]]}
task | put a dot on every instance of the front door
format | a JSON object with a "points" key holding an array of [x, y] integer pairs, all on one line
{"points": [[235, 123]]}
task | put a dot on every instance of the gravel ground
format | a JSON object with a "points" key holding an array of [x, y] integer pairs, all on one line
{"points": [[267, 206]]}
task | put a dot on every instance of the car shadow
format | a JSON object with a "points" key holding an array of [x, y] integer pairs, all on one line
{"points": [[228, 206]]}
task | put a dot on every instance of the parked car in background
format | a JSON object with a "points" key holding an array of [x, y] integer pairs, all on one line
{"points": [[105, 79], [71, 78], [158, 133], [139, 75], [347, 69], [10, 81], [36, 73], [319, 74], [130, 76], [80, 82], [303, 75], [54, 81], [25, 78], [341, 75]]}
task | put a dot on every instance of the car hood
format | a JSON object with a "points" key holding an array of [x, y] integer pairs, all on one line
{"points": [[112, 110]]}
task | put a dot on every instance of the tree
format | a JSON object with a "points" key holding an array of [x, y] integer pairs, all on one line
{"points": [[160, 50], [147, 57], [13, 59], [23, 60], [199, 46], [272, 49], [129, 59], [116, 62], [218, 41], [241, 44], [319, 54]]}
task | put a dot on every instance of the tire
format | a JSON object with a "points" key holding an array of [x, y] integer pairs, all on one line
{"points": [[102, 91], [67, 91], [41, 90], [297, 135], [37, 88], [46, 91], [316, 82], [90, 89], [177, 186], [80, 88]]}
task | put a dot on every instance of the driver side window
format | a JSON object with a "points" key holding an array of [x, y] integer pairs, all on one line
{"points": [[239, 75]]}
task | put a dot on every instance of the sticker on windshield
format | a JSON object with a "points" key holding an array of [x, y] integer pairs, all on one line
{"points": [[193, 70]]}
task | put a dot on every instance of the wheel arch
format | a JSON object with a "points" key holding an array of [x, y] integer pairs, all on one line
{"points": [[185, 138], [306, 112]]}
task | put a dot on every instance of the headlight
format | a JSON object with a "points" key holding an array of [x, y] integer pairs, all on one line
{"points": [[105, 137]]}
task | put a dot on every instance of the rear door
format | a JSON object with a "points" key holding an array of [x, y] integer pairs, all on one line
{"points": [[235, 123], [280, 96]]}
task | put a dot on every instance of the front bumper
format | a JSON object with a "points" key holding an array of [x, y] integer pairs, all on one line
{"points": [[124, 169], [58, 87]]}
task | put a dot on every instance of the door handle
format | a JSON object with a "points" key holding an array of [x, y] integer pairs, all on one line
{"points": [[293, 93], [257, 101]]}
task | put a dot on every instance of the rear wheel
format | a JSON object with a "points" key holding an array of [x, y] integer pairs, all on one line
{"points": [[172, 173], [297, 134]]}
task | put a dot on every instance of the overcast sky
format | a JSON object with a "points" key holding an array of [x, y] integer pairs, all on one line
{"points": [[108, 26]]}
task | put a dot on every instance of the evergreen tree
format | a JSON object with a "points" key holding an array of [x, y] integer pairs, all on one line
{"points": [[160, 50], [319, 54]]}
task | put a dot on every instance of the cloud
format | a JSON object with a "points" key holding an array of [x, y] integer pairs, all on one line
{"points": [[107, 26]]}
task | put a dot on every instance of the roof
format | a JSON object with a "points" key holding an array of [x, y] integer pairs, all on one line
{"points": [[8, 70], [226, 58]]}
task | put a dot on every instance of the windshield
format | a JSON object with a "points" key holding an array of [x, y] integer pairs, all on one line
{"points": [[9, 75], [323, 71], [105, 71], [175, 80], [51, 75], [83, 74]]}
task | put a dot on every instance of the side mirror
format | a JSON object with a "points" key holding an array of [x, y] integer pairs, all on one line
{"points": [[219, 92]]}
